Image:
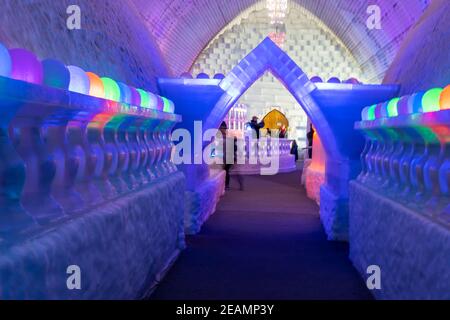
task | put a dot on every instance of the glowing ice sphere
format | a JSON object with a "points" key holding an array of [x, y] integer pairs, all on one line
{"points": [[444, 100], [79, 81], [415, 102], [381, 110], [96, 87], [5, 62], [145, 99], [403, 106], [135, 97], [56, 74], [125, 93], [160, 104], [112, 90], [392, 110], [430, 100], [168, 105], [153, 100], [365, 113], [25, 66]]}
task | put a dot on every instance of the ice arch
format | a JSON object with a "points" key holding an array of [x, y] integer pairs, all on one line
{"points": [[332, 108], [267, 56]]}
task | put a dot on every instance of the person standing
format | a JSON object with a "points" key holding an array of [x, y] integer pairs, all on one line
{"points": [[282, 133], [294, 149], [310, 137], [229, 144], [256, 126]]}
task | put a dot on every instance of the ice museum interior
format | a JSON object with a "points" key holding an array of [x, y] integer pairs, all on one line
{"points": [[111, 185]]}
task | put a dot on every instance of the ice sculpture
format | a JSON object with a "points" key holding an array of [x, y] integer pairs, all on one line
{"points": [[407, 150], [67, 152]]}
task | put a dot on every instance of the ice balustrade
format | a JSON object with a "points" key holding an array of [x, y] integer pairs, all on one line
{"points": [[407, 150], [70, 140], [265, 148], [249, 150]]}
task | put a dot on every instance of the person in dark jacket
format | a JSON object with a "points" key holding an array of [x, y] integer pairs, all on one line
{"points": [[294, 149], [256, 126], [310, 137], [226, 165]]}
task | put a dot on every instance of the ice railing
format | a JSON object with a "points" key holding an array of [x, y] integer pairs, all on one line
{"points": [[407, 151], [70, 140], [250, 150], [264, 148]]}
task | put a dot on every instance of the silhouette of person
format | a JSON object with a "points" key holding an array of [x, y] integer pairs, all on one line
{"points": [[294, 149], [226, 165], [256, 126], [310, 136], [282, 133]]}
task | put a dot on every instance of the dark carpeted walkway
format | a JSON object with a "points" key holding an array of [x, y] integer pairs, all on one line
{"points": [[263, 243]]}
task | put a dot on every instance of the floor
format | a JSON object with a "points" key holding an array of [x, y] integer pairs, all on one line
{"points": [[265, 242]]}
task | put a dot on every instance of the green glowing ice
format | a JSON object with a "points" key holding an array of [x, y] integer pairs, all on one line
{"points": [[430, 100], [392, 107], [166, 107], [112, 89], [145, 98], [371, 112]]}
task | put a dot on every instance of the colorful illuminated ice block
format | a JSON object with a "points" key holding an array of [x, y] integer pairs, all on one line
{"points": [[160, 104], [371, 112], [56, 74], [79, 81], [125, 93], [168, 105], [112, 90], [25, 66], [96, 87], [430, 100], [444, 100], [135, 97], [5, 62], [392, 110], [381, 110], [145, 99], [415, 102], [153, 101], [403, 106]]}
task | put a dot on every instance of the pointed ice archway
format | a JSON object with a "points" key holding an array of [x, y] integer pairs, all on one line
{"points": [[332, 108], [267, 56]]}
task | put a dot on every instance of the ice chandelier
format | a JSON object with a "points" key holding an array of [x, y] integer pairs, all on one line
{"points": [[277, 11]]}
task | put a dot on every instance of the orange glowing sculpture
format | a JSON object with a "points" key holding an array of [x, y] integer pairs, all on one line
{"points": [[96, 88], [444, 102]]}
